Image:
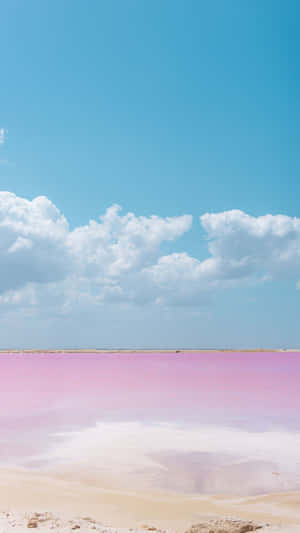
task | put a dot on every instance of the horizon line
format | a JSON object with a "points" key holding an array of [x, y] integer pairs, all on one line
{"points": [[145, 350]]}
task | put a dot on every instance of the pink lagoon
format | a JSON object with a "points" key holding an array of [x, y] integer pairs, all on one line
{"points": [[194, 425]]}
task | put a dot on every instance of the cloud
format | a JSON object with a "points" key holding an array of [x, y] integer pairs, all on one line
{"points": [[119, 259], [26, 296], [181, 279], [243, 250], [2, 135], [32, 242], [245, 246], [97, 262], [119, 244]]}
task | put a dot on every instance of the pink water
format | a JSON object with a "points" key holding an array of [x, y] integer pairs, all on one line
{"points": [[203, 421]]}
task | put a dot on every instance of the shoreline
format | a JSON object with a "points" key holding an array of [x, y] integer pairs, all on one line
{"points": [[19, 522], [22, 491], [153, 350]]}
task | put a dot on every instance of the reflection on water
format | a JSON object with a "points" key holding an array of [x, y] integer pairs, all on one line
{"points": [[201, 423]]}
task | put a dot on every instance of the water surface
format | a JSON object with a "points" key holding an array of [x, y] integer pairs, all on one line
{"points": [[206, 422]]}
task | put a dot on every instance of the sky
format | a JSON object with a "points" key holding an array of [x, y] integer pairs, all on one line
{"points": [[149, 172]]}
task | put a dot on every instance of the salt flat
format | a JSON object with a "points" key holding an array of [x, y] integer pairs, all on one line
{"points": [[166, 439]]}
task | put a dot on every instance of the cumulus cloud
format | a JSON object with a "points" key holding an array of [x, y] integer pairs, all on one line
{"points": [[119, 257], [32, 242], [93, 263], [120, 244], [247, 246], [181, 279], [243, 250]]}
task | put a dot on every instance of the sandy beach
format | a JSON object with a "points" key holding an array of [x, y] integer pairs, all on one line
{"points": [[18, 522], [22, 492]]}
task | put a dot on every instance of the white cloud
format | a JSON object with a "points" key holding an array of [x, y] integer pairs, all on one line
{"points": [[19, 244], [26, 296], [2, 135], [119, 258], [93, 263], [243, 250], [32, 242], [120, 244], [253, 246], [181, 279]]}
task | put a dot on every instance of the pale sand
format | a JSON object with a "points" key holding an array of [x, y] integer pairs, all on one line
{"points": [[20, 522], [21, 491]]}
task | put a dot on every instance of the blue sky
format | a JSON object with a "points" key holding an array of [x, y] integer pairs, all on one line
{"points": [[167, 109]]}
